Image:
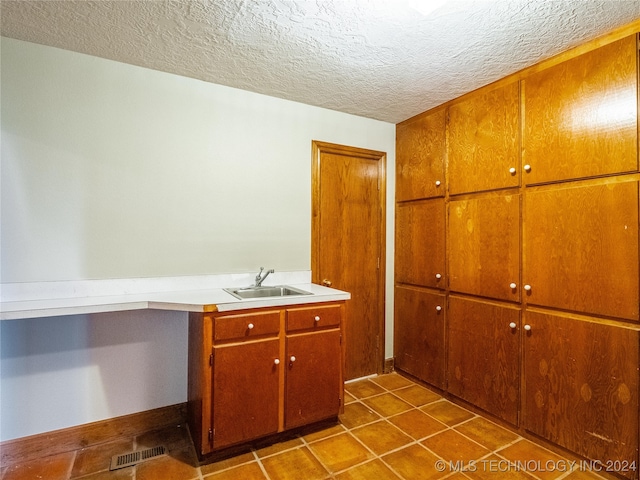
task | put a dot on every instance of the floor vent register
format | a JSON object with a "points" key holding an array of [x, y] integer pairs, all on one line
{"points": [[133, 458]]}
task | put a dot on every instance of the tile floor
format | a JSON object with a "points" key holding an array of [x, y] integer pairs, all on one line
{"points": [[392, 428]]}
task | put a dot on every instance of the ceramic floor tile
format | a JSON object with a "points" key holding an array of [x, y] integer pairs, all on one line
{"points": [[363, 389], [582, 475], [452, 446], [495, 468], [248, 471], [340, 452], [447, 412], [357, 414], [176, 466], [532, 455], [392, 381], [417, 424], [327, 432], [294, 465], [227, 462], [417, 395], [173, 438], [387, 404], [381, 437], [374, 470], [415, 463], [348, 398], [487, 433], [277, 447], [54, 467], [98, 458]]}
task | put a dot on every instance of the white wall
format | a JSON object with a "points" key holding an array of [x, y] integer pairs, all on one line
{"points": [[114, 171]]}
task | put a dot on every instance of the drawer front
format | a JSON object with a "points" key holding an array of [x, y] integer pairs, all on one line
{"points": [[246, 326], [313, 317]]}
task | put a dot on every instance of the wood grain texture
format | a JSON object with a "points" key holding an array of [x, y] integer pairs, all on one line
{"points": [[420, 157], [419, 338], [581, 248], [313, 383], [483, 356], [582, 385], [484, 246], [199, 377], [484, 141], [581, 116], [420, 243], [236, 327]]}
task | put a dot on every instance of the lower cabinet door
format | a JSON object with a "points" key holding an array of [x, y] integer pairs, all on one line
{"points": [[582, 387], [483, 362], [313, 382], [245, 391], [419, 334]]}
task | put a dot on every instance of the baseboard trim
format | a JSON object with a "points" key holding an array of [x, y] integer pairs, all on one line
{"points": [[82, 436]]}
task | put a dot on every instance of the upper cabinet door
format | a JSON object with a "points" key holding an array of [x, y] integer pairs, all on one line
{"points": [[420, 151], [484, 246], [484, 141], [580, 116], [581, 248]]}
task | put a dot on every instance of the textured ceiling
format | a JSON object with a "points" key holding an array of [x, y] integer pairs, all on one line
{"points": [[380, 59]]}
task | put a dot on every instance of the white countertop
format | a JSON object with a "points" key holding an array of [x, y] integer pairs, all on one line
{"points": [[200, 300]]}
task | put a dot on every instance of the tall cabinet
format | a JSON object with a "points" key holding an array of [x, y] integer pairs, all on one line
{"points": [[538, 249]]}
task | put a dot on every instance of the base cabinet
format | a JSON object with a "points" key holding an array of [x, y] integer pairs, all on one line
{"points": [[257, 373]]}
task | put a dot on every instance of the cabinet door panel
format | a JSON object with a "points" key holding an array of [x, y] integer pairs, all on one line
{"points": [[581, 115], [581, 248], [483, 361], [420, 232], [420, 151], [582, 385], [484, 246], [484, 141], [245, 392], [313, 385], [419, 334]]}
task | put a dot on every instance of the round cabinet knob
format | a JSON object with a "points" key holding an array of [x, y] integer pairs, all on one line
{"points": [[438, 276], [512, 285], [293, 359], [527, 328], [276, 361], [527, 168], [250, 326], [438, 308], [512, 325], [437, 183], [527, 288], [316, 318], [326, 283], [512, 170]]}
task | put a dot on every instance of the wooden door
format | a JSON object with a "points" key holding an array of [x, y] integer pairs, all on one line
{"points": [[245, 391], [484, 141], [484, 246], [580, 116], [420, 243], [483, 355], [581, 248], [419, 334], [348, 245], [420, 152], [313, 383], [582, 386]]}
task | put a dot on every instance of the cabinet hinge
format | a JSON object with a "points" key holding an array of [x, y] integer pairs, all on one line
{"points": [[340, 339], [210, 435], [339, 401], [211, 359]]}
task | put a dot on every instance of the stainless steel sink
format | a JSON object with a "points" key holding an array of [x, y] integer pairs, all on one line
{"points": [[265, 292]]}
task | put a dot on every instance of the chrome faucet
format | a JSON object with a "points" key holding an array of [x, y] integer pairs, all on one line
{"points": [[260, 278]]}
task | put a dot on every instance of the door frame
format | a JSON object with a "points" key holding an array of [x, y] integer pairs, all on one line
{"points": [[317, 149]]}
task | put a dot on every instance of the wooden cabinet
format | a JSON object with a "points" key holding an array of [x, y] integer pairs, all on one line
{"points": [[256, 373], [582, 385], [581, 116], [581, 248], [484, 141], [484, 246], [419, 341], [420, 154], [419, 248], [483, 355]]}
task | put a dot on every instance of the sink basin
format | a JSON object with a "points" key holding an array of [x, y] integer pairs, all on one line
{"points": [[264, 292]]}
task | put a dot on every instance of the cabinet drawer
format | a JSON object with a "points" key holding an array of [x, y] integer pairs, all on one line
{"points": [[313, 317], [245, 326]]}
